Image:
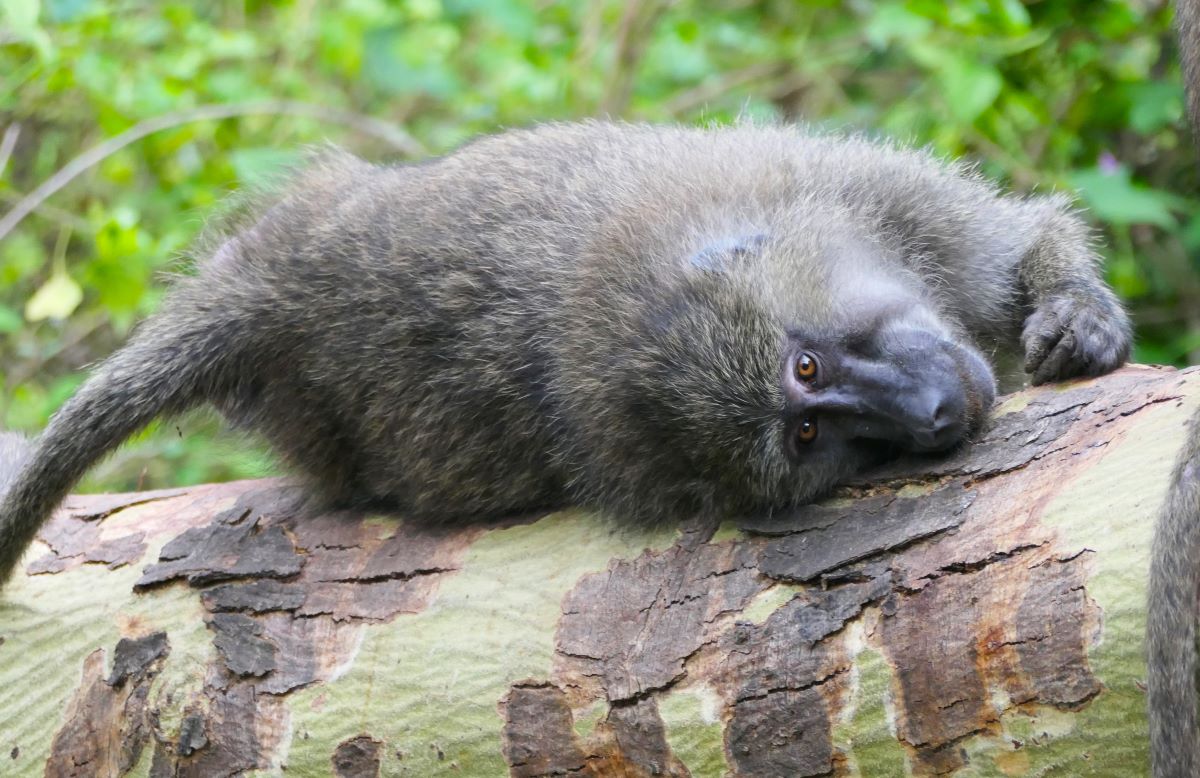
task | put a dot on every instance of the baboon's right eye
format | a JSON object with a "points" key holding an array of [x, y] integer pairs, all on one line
{"points": [[806, 367], [807, 431]]}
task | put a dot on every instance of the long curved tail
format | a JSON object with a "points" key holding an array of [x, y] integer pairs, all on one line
{"points": [[1171, 635], [168, 366]]}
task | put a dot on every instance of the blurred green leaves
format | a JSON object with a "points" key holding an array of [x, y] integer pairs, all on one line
{"points": [[1080, 95], [968, 87], [1113, 196]]}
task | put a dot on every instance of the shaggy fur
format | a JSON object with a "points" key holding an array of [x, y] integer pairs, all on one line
{"points": [[1173, 658], [1174, 594], [594, 312]]}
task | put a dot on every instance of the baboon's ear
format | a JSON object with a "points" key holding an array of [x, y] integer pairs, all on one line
{"points": [[723, 255]]}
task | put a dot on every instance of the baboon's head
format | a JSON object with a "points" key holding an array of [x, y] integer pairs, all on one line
{"points": [[764, 368]]}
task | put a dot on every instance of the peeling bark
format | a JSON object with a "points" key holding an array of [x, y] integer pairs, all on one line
{"points": [[979, 612], [107, 723], [539, 736], [357, 757]]}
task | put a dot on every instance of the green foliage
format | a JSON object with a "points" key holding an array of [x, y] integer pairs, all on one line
{"points": [[1075, 95]]}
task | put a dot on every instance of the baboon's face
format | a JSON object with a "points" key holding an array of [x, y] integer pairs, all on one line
{"points": [[903, 385], [789, 374]]}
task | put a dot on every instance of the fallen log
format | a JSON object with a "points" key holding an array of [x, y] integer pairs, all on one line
{"points": [[980, 612]]}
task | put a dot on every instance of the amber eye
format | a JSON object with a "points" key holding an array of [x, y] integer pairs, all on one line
{"points": [[807, 431], [806, 367]]}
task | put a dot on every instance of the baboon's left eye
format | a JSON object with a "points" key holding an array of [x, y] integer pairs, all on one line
{"points": [[807, 431], [806, 367]]}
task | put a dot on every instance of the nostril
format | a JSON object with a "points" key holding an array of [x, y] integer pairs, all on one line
{"points": [[942, 416], [931, 410], [945, 407], [941, 425]]}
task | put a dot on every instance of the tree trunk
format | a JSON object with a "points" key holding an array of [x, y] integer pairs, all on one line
{"points": [[980, 613]]}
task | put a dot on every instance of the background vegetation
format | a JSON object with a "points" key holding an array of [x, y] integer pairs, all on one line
{"points": [[1077, 94]]}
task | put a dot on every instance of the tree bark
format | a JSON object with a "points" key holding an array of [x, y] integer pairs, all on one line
{"points": [[978, 613]]}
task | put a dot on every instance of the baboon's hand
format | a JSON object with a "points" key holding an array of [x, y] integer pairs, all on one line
{"points": [[1075, 332]]}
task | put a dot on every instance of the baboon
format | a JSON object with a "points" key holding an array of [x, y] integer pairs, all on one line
{"points": [[660, 322]]}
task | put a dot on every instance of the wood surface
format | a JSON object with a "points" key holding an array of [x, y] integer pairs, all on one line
{"points": [[976, 614]]}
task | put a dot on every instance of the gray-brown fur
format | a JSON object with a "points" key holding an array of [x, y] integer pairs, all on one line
{"points": [[1174, 596], [598, 313], [1187, 23], [1173, 659]]}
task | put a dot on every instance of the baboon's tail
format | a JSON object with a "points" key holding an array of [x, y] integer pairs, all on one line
{"points": [[168, 366], [1171, 634]]}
